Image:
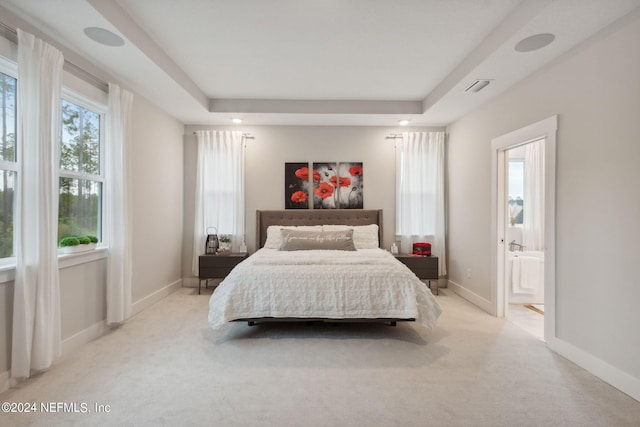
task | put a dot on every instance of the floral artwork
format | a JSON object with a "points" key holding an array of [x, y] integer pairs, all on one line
{"points": [[339, 186], [296, 180], [329, 185], [324, 194], [350, 185]]}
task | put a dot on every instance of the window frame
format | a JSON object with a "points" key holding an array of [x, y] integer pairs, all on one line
{"points": [[101, 109], [10, 68], [84, 94]]}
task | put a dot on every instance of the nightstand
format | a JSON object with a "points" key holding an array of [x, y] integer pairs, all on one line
{"points": [[425, 267], [217, 266]]}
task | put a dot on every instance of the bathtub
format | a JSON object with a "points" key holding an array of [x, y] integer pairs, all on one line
{"points": [[525, 277]]}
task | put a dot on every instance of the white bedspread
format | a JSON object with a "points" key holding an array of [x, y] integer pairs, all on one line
{"points": [[365, 284]]}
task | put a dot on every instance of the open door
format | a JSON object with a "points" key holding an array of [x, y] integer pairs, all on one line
{"points": [[544, 130]]}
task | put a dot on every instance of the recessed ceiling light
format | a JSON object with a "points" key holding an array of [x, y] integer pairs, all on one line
{"points": [[535, 42], [403, 122], [236, 121], [102, 36]]}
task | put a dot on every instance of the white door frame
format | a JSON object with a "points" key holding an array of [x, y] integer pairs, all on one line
{"points": [[543, 129]]}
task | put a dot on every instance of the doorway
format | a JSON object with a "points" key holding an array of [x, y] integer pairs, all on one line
{"points": [[524, 236], [523, 226]]}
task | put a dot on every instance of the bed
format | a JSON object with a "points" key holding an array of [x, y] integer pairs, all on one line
{"points": [[321, 265]]}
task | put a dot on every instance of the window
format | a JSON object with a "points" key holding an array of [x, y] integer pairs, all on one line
{"points": [[8, 159], [516, 191], [81, 169]]}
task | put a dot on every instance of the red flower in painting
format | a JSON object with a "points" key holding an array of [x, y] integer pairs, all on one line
{"points": [[299, 197], [303, 173], [324, 190], [344, 182], [355, 170]]}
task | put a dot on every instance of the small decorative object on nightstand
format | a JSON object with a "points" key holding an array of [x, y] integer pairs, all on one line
{"points": [[225, 244], [211, 266], [212, 244], [425, 267]]}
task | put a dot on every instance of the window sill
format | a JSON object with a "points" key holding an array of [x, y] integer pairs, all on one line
{"points": [[69, 260], [8, 272]]}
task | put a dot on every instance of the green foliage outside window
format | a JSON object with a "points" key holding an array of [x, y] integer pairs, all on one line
{"points": [[80, 198], [8, 86], [80, 203]]}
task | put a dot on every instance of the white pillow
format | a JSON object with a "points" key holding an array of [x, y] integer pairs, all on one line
{"points": [[364, 236], [274, 237]]}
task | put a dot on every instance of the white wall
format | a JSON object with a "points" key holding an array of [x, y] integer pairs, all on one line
{"points": [[595, 90], [273, 146], [157, 198], [6, 323]]}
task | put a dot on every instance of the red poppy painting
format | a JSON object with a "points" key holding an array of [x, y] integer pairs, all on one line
{"points": [[296, 183], [328, 185], [324, 194], [340, 186], [350, 189]]}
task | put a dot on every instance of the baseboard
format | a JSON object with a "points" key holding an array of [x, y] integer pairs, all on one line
{"points": [[153, 298], [68, 345], [94, 331], [86, 335], [473, 298], [190, 282], [610, 374]]}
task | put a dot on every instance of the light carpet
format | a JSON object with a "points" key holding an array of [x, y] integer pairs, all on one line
{"points": [[166, 367]]}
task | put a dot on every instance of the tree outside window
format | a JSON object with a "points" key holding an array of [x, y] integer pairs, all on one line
{"points": [[80, 205], [8, 164]]}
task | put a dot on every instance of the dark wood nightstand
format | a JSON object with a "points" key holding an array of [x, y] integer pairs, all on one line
{"points": [[217, 266], [425, 267]]}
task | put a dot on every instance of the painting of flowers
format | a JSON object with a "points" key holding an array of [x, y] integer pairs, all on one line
{"points": [[350, 185], [339, 185], [329, 185], [324, 194], [296, 188]]}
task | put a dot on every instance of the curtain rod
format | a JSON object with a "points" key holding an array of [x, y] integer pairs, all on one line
{"points": [[244, 135], [11, 34]]}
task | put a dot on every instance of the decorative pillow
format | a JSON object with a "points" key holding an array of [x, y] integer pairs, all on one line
{"points": [[274, 238], [364, 236], [295, 240]]}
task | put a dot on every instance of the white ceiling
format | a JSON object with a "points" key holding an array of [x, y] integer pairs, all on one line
{"points": [[319, 62]]}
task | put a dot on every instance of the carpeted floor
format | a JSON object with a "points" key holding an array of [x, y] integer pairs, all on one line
{"points": [[166, 367]]}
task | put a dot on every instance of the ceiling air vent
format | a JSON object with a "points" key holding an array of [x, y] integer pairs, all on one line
{"points": [[478, 85]]}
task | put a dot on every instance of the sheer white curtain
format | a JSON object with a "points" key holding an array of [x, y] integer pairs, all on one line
{"points": [[420, 192], [219, 189], [533, 218], [118, 204], [36, 341]]}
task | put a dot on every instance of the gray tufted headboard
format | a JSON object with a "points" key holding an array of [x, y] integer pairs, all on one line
{"points": [[315, 217]]}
